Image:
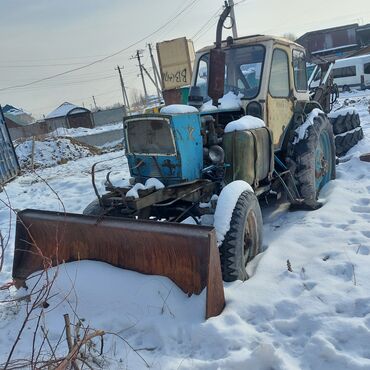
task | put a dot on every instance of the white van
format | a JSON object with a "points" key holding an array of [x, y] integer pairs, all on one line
{"points": [[349, 73]]}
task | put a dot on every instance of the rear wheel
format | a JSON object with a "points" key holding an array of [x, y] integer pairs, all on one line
{"points": [[312, 160], [243, 241], [94, 209]]}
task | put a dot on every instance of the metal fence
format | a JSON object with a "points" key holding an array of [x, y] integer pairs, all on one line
{"points": [[9, 166], [107, 116]]}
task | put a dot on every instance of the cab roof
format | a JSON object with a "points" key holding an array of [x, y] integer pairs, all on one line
{"points": [[254, 39]]}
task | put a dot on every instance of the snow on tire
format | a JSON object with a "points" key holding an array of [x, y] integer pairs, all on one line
{"points": [[243, 240]]}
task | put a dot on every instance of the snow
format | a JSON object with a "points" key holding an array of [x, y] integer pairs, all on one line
{"points": [[315, 317], [228, 101], [133, 192], [178, 109], [225, 207], [83, 131], [350, 131], [150, 183], [342, 112], [49, 152], [302, 130], [244, 123]]}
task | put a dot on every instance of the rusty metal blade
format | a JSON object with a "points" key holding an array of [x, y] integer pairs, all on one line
{"points": [[186, 254]]}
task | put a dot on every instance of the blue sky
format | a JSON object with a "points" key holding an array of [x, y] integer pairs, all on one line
{"points": [[44, 37]]}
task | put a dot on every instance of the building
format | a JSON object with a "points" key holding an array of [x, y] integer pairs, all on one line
{"points": [[16, 116], [337, 42], [70, 116]]}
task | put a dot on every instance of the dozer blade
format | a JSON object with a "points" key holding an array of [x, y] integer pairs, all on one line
{"points": [[186, 254]]}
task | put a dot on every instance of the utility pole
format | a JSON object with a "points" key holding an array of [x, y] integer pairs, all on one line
{"points": [[154, 82], [96, 107], [157, 77], [138, 56], [124, 93], [232, 15]]}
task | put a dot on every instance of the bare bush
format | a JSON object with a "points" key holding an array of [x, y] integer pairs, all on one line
{"points": [[77, 346]]}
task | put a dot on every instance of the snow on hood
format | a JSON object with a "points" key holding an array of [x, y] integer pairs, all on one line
{"points": [[228, 101], [178, 109], [244, 123]]}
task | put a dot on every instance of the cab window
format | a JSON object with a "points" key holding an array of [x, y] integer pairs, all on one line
{"points": [[300, 73], [367, 68], [279, 79]]}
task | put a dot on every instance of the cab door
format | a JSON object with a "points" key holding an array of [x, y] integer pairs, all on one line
{"points": [[280, 103]]}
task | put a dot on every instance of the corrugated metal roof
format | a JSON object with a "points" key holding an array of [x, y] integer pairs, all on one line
{"points": [[64, 109]]}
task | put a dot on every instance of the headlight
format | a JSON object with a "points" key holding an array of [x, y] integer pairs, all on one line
{"points": [[254, 109], [216, 154]]}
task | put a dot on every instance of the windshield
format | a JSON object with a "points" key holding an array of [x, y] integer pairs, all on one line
{"points": [[243, 71], [149, 136]]}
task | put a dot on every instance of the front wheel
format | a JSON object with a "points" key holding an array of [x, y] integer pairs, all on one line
{"points": [[243, 240]]}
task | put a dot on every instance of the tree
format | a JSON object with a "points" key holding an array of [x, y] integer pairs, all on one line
{"points": [[290, 36], [137, 99]]}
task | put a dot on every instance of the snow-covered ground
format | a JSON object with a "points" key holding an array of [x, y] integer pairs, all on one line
{"points": [[316, 316], [50, 151], [83, 131]]}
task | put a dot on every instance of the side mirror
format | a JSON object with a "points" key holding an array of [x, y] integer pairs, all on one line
{"points": [[216, 77]]}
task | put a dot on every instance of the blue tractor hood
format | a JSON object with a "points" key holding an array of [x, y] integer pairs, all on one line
{"points": [[166, 147]]}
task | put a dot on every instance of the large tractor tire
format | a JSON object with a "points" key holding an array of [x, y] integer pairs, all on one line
{"points": [[312, 160], [345, 122], [344, 142], [243, 241], [94, 209]]}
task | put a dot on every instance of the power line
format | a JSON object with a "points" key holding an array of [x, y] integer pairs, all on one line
{"points": [[161, 34], [206, 30], [39, 65], [72, 83], [51, 59], [206, 24], [204, 27], [105, 58], [129, 72], [86, 97]]}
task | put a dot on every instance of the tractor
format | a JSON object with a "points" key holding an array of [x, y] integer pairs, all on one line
{"points": [[198, 161], [250, 130]]}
